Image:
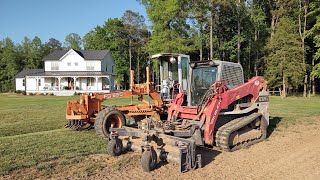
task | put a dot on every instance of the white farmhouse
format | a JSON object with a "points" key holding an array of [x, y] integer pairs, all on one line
{"points": [[68, 72]]}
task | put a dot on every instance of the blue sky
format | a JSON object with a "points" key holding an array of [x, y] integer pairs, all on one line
{"points": [[57, 18]]}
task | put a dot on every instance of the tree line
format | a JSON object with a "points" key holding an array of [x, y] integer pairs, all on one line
{"points": [[277, 39]]}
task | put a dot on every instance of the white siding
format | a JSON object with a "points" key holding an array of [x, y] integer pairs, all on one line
{"points": [[19, 84], [31, 84], [47, 65], [107, 61]]}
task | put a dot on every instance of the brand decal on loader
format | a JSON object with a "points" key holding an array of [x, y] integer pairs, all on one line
{"points": [[263, 99], [216, 111], [113, 95]]}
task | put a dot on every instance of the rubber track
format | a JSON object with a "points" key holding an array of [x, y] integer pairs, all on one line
{"points": [[223, 133]]}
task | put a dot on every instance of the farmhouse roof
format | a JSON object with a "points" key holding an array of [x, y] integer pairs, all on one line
{"points": [[28, 72], [86, 54]]}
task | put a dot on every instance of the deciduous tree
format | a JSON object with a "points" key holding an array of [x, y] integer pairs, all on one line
{"points": [[73, 41]]}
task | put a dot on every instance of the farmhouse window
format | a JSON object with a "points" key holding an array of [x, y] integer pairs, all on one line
{"points": [[54, 66], [90, 66], [69, 63], [76, 64], [39, 82], [112, 69], [23, 82], [106, 68]]}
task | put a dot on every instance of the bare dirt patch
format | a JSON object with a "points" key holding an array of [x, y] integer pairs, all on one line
{"points": [[289, 153]]}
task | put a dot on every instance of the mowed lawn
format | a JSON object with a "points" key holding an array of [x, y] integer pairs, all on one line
{"points": [[32, 133]]}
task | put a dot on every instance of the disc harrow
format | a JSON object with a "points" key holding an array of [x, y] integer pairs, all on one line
{"points": [[78, 125]]}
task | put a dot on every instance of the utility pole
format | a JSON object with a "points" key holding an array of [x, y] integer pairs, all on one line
{"points": [[239, 31], [130, 56], [211, 30]]}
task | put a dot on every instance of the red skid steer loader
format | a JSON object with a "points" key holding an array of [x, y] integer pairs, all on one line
{"points": [[218, 109]]}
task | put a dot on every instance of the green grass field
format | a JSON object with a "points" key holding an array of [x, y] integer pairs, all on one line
{"points": [[32, 133]]}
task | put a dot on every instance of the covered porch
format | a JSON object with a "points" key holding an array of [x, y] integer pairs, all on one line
{"points": [[77, 83], [72, 84]]}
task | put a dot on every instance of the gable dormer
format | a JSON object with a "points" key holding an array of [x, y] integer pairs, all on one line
{"points": [[71, 53]]}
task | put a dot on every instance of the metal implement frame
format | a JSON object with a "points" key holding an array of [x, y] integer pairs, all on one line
{"points": [[188, 157]]}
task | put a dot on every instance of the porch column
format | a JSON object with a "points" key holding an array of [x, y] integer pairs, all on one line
{"points": [[74, 84], [59, 81], [97, 78], [37, 83]]}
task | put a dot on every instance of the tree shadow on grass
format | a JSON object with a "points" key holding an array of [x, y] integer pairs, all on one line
{"points": [[273, 124]]}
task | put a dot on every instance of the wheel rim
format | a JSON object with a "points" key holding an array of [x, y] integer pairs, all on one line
{"points": [[153, 160], [115, 121], [117, 148]]}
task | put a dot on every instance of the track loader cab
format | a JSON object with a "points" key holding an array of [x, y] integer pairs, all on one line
{"points": [[203, 74], [174, 71]]}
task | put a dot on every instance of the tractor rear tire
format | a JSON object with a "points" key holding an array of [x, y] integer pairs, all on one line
{"points": [[105, 118], [149, 160], [114, 147]]}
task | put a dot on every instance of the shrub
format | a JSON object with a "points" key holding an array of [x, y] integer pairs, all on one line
{"points": [[18, 92], [30, 94], [51, 94], [41, 94], [23, 93], [66, 88]]}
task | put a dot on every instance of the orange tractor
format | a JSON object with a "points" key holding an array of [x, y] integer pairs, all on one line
{"points": [[218, 109], [89, 111]]}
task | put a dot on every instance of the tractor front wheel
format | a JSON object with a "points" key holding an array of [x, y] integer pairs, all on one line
{"points": [[106, 118]]}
